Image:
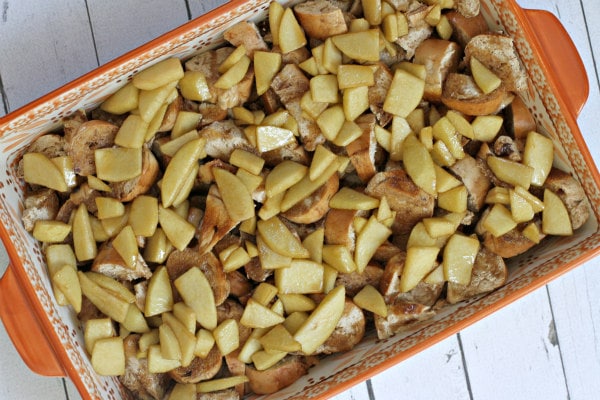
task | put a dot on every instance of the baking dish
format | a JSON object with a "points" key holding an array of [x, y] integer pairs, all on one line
{"points": [[63, 354]]}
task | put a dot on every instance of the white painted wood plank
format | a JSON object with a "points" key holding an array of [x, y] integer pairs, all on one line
{"points": [[199, 7], [120, 26], [513, 353], [436, 373], [37, 54], [358, 392]]}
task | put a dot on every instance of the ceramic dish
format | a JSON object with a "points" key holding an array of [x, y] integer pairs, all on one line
{"points": [[48, 336]]}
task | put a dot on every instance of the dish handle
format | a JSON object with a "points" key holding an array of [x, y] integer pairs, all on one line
{"points": [[24, 329], [562, 58]]}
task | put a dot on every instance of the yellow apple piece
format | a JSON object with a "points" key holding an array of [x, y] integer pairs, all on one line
{"points": [[305, 187], [270, 259], [370, 299], [266, 66], [176, 228], [350, 199], [302, 276], [459, 257], [461, 124], [215, 385], [169, 345], [484, 77], [445, 131], [275, 13], [157, 363], [444, 180], [84, 243], [123, 100], [185, 315], [330, 121], [49, 231], [118, 164], [132, 132], [419, 164], [293, 302], [321, 160], [555, 217], [227, 336], [151, 101], [204, 343], [157, 247], [108, 356], [258, 316], [185, 122], [143, 215], [434, 15], [279, 339], [193, 86], [185, 338], [110, 305], [232, 59], [324, 89], [159, 296], [486, 127], [499, 221], [438, 226], [420, 237], [197, 293], [236, 259], [532, 232], [67, 281], [249, 161], [360, 46], [313, 242], [112, 226], [389, 27], [536, 204], [273, 137], [339, 257], [352, 75], [280, 239], [97, 184], [520, 208], [95, 329], [497, 194], [539, 155], [405, 93], [125, 244], [65, 166], [332, 56], [349, 132], [454, 200], [159, 74], [234, 75], [178, 169], [109, 207], [322, 321], [264, 293], [40, 170], [236, 197], [355, 101], [290, 34], [441, 155], [420, 261], [371, 236], [183, 391], [511, 172]]}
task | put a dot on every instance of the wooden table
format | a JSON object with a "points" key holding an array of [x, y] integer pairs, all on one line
{"points": [[545, 346]]}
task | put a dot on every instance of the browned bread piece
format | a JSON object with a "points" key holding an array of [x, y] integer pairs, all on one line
{"points": [[171, 114], [40, 205], [473, 172], [247, 34], [200, 369], [142, 384], [402, 315], [418, 29], [130, 189], [378, 92], [110, 263], [181, 261], [389, 285], [88, 137], [489, 272], [511, 244], [571, 193], [468, 8], [354, 282], [464, 28], [290, 84], [518, 120], [363, 150], [499, 54], [410, 202], [320, 19], [348, 332], [339, 227], [315, 206], [461, 93], [440, 57], [223, 137], [281, 375]]}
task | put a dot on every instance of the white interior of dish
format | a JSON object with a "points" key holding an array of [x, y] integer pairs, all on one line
{"points": [[17, 133]]}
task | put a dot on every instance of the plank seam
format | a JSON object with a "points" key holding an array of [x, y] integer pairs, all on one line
{"points": [[87, 10], [370, 390], [562, 363], [4, 97], [188, 9], [465, 368], [587, 31], [65, 388]]}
